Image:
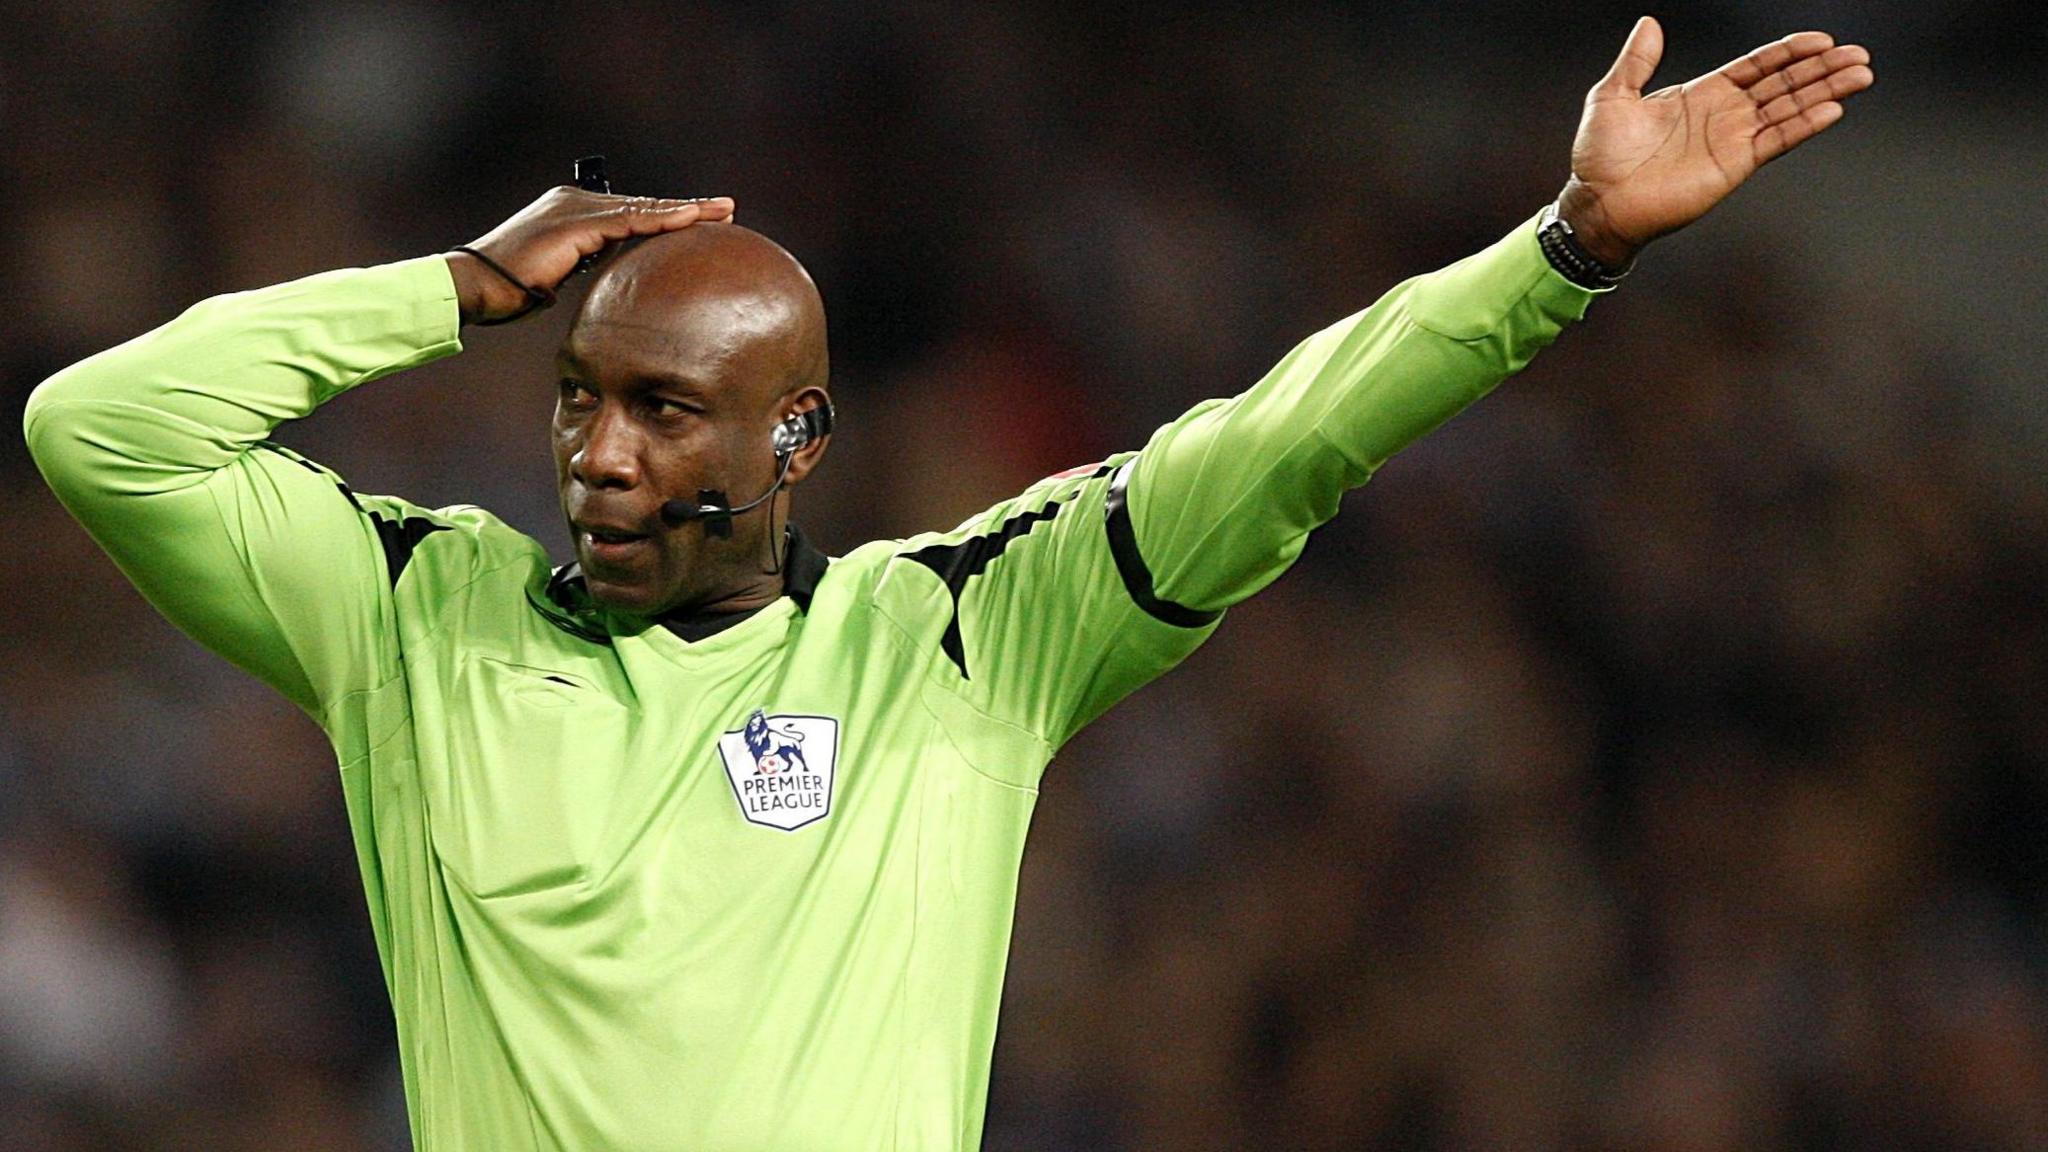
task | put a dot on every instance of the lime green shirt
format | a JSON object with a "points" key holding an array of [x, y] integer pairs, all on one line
{"points": [[753, 892]]}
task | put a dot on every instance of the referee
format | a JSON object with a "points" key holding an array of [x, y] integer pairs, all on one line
{"points": [[707, 841]]}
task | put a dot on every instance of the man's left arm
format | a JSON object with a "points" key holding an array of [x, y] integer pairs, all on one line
{"points": [[1221, 501]]}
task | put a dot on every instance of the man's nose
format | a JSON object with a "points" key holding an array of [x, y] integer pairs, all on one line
{"points": [[610, 454]]}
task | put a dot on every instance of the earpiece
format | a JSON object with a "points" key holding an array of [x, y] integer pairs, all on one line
{"points": [[711, 505], [801, 429]]}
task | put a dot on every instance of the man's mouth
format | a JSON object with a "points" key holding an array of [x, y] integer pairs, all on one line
{"points": [[613, 546]]}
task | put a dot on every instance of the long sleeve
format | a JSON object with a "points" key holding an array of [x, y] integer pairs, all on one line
{"points": [[1063, 600], [158, 447], [1222, 500]]}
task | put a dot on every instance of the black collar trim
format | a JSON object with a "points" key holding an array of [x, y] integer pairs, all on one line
{"points": [[803, 566]]}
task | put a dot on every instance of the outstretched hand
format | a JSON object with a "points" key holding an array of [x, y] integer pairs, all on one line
{"points": [[1643, 166], [542, 243]]}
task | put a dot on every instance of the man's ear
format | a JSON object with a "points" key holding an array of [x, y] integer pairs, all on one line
{"points": [[806, 457]]}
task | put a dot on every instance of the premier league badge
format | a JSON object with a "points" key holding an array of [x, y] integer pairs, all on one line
{"points": [[781, 768]]}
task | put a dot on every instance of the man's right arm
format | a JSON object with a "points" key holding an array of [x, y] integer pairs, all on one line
{"points": [[158, 447]]}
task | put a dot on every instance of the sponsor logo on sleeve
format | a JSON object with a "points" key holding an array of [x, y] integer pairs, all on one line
{"points": [[781, 768]]}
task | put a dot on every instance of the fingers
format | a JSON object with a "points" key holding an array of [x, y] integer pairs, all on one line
{"points": [[1788, 134], [619, 218], [1805, 73], [1637, 62], [1776, 56], [716, 208], [649, 215], [550, 239], [1798, 85], [589, 222], [1829, 87]]}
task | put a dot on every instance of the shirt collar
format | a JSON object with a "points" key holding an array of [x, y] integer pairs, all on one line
{"points": [[802, 567], [565, 600]]}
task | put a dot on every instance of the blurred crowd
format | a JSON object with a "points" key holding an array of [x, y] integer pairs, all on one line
{"points": [[1653, 758]]}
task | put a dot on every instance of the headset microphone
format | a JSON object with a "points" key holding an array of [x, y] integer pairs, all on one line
{"points": [[711, 505]]}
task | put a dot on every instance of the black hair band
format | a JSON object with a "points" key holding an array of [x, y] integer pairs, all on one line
{"points": [[535, 297]]}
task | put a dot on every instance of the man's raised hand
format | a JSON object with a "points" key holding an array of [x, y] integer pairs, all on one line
{"points": [[542, 242], [1643, 166]]}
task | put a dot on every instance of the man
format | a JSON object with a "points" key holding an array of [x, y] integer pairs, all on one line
{"points": [[705, 841]]}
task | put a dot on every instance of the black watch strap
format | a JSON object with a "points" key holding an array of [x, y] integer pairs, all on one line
{"points": [[1562, 248]]}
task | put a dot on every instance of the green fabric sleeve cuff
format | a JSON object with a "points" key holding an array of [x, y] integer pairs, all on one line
{"points": [[380, 320], [1472, 299], [430, 282], [1559, 298]]}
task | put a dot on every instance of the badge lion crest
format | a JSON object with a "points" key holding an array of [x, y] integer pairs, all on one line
{"points": [[781, 767]]}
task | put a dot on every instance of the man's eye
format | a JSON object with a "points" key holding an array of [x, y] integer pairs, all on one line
{"points": [[576, 395], [670, 408]]}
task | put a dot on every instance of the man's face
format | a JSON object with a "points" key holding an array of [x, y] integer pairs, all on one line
{"points": [[656, 402]]}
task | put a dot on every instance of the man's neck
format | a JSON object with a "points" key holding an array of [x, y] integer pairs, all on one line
{"points": [[796, 573], [710, 617], [703, 623], [803, 566]]}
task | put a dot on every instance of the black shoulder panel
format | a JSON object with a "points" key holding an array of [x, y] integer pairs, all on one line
{"points": [[566, 605], [803, 567], [294, 457], [1123, 546], [956, 564], [400, 538]]}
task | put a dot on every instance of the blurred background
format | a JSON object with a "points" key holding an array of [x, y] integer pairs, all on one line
{"points": [[1681, 756]]}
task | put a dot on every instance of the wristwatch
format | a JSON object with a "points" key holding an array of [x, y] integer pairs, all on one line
{"points": [[1562, 248]]}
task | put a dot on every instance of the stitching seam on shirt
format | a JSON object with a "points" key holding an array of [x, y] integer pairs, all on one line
{"points": [[906, 641], [1314, 429]]}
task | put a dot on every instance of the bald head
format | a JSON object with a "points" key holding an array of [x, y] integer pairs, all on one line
{"points": [[690, 348], [715, 292]]}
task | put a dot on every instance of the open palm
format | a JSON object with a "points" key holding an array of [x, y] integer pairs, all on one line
{"points": [[1643, 166]]}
